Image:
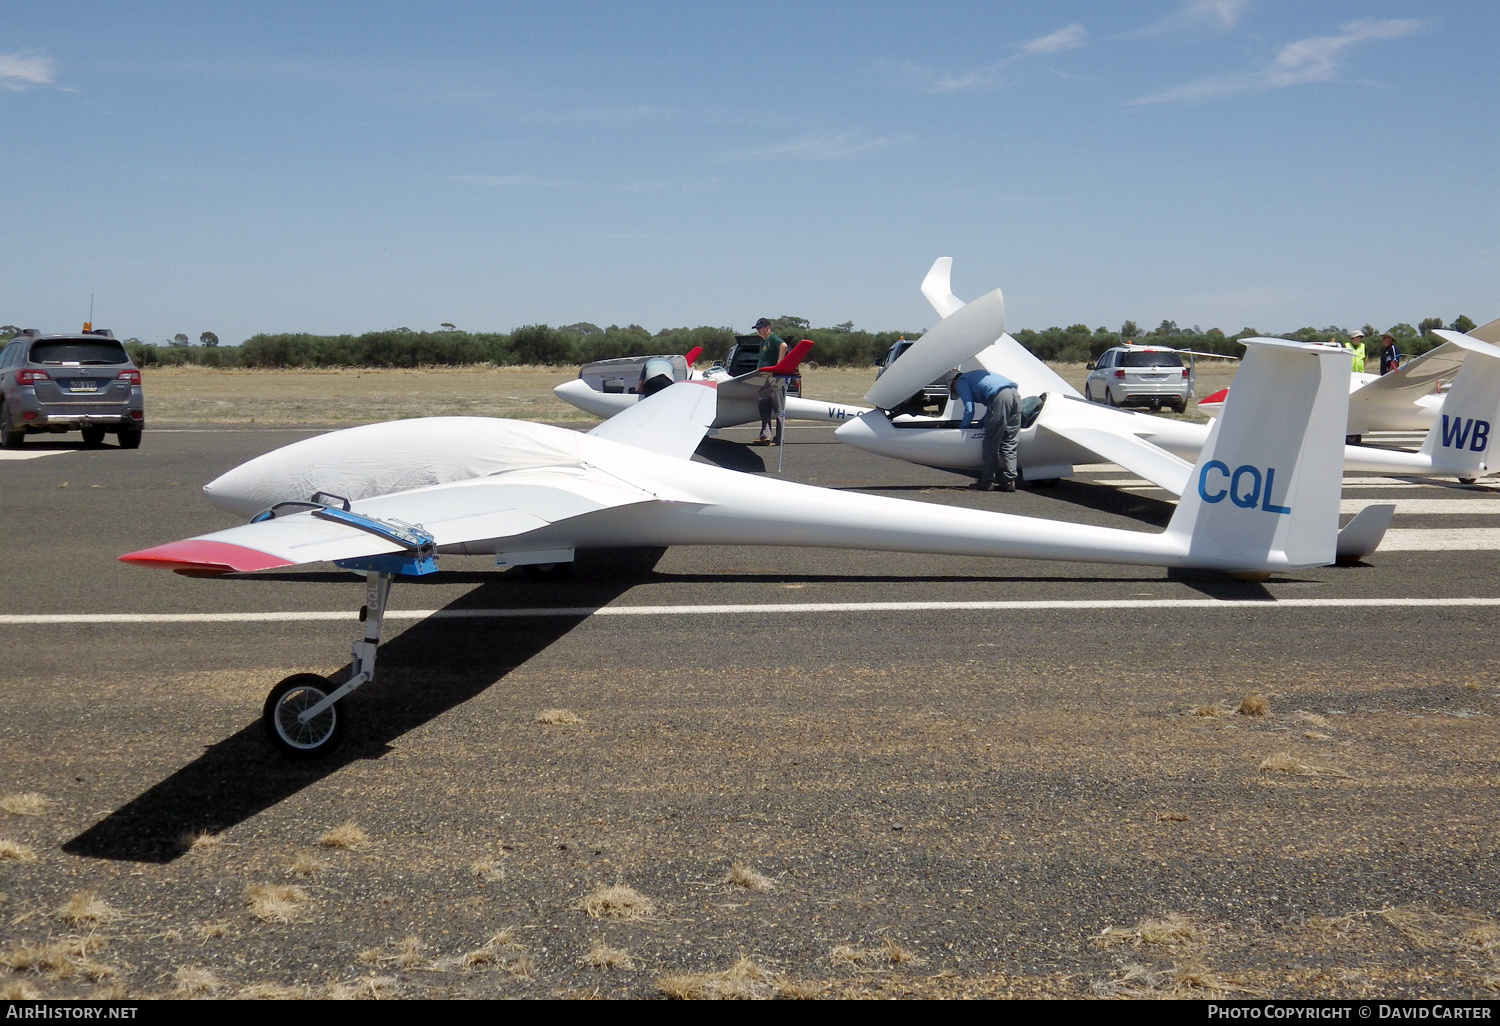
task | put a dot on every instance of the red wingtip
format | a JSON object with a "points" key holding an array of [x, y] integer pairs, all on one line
{"points": [[1217, 397], [197, 556], [691, 356], [790, 363]]}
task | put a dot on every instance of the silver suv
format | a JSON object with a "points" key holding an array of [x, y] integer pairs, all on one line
{"points": [[1139, 376], [56, 383]]}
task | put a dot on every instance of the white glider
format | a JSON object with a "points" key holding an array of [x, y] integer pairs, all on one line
{"points": [[1067, 430], [738, 397], [387, 499], [1406, 400]]}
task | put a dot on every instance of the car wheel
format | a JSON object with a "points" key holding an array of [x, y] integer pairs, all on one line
{"points": [[1088, 393], [1109, 398], [319, 735], [1180, 406], [10, 438], [130, 438], [93, 437]]}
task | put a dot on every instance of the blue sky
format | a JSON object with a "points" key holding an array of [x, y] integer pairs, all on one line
{"points": [[341, 167]]}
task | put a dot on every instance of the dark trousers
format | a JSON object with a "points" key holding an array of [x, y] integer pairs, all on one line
{"points": [[1002, 426]]}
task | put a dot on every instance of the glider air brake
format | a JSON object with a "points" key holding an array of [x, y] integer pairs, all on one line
{"points": [[738, 397], [388, 499], [1065, 429]]}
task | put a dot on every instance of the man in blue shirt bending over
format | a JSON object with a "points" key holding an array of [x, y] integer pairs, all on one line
{"points": [[1002, 423]]}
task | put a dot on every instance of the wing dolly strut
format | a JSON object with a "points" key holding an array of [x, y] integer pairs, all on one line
{"points": [[304, 716]]}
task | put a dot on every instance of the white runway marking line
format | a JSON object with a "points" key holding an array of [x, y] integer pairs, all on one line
{"points": [[1429, 507], [772, 608], [1458, 539], [22, 454]]}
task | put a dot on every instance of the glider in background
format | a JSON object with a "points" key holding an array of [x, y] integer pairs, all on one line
{"points": [[389, 499], [1061, 429], [608, 387]]}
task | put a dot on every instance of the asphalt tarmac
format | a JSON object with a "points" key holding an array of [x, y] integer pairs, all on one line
{"points": [[1047, 792]]}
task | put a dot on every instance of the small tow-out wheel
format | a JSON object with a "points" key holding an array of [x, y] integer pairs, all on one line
{"points": [[319, 735]]}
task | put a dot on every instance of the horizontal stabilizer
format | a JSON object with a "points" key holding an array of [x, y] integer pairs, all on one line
{"points": [[671, 422], [1489, 332], [1362, 535]]}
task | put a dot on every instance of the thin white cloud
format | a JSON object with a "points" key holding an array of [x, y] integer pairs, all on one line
{"points": [[1315, 59], [1069, 37], [1214, 15], [21, 71], [508, 181], [825, 146]]}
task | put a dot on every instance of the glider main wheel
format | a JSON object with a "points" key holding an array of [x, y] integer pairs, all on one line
{"points": [[10, 438], [547, 571], [93, 437], [1467, 480], [319, 735]]}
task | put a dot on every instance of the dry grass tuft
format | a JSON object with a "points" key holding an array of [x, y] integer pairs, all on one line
{"points": [[11, 851], [741, 875], [368, 988], [87, 908], [488, 870], [273, 992], [306, 864], [1254, 705], [1171, 817], [193, 982], [1209, 710], [1172, 932], [888, 955], [26, 803], [1434, 931], [19, 990], [211, 931], [558, 717], [60, 958], [200, 841], [619, 901], [1286, 762], [1180, 982], [1313, 718], [346, 836], [742, 981], [602, 956], [275, 903]]}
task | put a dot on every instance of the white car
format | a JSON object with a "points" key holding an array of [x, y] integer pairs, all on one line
{"points": [[1151, 376]]}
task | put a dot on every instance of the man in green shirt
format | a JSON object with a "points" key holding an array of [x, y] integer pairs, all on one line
{"points": [[772, 399], [1356, 346]]}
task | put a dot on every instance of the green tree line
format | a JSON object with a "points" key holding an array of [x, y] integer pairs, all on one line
{"points": [[838, 346]]}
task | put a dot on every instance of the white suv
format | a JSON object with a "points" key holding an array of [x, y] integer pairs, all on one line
{"points": [[1139, 376]]}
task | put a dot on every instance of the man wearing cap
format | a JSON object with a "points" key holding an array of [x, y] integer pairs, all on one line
{"points": [[1356, 346], [1390, 356], [772, 398], [1002, 424]]}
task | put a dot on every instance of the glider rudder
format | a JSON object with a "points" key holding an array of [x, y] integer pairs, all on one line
{"points": [[1264, 494]]}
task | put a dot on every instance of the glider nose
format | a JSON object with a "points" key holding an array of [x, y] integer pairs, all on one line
{"points": [[575, 389], [861, 432], [244, 491]]}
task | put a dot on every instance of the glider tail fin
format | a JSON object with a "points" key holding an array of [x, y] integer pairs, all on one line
{"points": [[1265, 493], [1459, 438]]}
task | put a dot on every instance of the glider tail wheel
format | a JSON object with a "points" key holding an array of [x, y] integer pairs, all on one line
{"points": [[319, 734]]}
